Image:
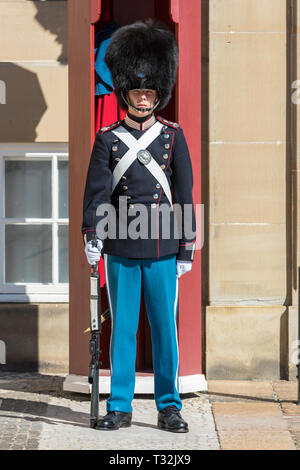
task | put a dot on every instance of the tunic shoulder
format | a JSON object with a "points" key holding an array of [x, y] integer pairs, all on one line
{"points": [[110, 127], [164, 121]]}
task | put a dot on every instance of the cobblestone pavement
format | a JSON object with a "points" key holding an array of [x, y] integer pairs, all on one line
{"points": [[23, 404], [35, 413]]}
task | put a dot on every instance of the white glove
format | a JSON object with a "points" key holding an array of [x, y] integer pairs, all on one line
{"points": [[93, 253], [183, 267]]}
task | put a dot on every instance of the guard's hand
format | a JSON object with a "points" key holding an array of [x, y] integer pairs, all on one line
{"points": [[93, 253], [183, 267]]}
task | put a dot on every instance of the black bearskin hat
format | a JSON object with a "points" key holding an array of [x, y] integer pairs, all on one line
{"points": [[143, 56]]}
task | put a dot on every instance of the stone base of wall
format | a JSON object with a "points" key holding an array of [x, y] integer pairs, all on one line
{"points": [[250, 342], [36, 337]]}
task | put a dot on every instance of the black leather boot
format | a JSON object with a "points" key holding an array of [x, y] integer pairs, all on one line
{"points": [[170, 419], [114, 420]]}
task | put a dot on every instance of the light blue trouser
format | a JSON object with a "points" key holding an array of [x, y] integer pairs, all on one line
{"points": [[124, 277]]}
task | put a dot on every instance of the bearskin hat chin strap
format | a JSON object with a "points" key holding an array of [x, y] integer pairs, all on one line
{"points": [[142, 110]]}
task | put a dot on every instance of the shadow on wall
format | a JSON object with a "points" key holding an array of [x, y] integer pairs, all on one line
{"points": [[22, 101], [24, 105], [35, 337], [56, 22], [19, 332]]}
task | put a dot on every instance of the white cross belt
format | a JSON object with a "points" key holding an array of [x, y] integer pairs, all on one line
{"points": [[134, 146]]}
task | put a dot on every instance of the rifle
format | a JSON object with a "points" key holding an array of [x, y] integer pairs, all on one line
{"points": [[95, 328], [298, 342], [104, 316]]}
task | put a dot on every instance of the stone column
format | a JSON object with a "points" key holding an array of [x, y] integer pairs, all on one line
{"points": [[249, 205]]}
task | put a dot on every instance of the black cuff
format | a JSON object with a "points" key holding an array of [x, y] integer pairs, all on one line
{"points": [[186, 251], [88, 235]]}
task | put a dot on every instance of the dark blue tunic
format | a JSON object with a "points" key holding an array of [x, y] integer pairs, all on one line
{"points": [[139, 186]]}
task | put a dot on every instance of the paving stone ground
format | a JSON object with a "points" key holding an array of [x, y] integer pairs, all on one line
{"points": [[252, 415], [36, 414]]}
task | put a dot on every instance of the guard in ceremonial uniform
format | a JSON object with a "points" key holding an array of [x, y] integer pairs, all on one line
{"points": [[138, 202]]}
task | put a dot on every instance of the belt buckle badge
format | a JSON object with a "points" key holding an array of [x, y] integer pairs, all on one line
{"points": [[144, 156]]}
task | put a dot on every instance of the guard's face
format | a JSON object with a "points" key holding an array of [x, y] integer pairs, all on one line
{"points": [[142, 98]]}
